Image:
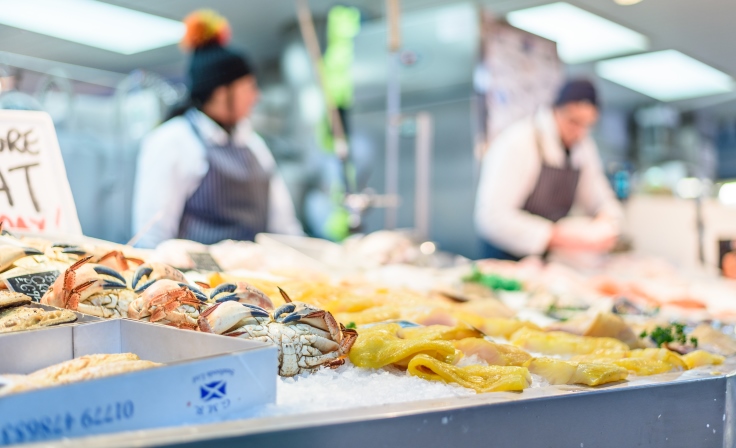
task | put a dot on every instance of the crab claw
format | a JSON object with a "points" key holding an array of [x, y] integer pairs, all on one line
{"points": [[68, 249], [241, 292], [11, 254], [139, 274], [107, 284], [225, 316], [153, 272], [111, 272], [202, 297], [307, 314], [284, 309]]}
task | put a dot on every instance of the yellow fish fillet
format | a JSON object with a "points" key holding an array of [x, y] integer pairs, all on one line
{"points": [[479, 378], [643, 366], [492, 353], [380, 345], [570, 372], [504, 328], [702, 358], [643, 362], [561, 343], [440, 332], [660, 354]]}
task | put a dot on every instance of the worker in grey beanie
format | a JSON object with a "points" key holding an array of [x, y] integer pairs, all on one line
{"points": [[205, 175]]}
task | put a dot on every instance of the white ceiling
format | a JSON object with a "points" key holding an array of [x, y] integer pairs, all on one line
{"points": [[703, 29]]}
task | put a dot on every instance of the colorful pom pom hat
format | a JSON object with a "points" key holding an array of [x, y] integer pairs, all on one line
{"points": [[212, 64]]}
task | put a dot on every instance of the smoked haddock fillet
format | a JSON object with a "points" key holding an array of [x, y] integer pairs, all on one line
{"points": [[479, 378], [561, 343], [557, 371]]}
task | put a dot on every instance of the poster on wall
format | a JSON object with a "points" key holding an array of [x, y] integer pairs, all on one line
{"points": [[35, 196], [525, 73]]}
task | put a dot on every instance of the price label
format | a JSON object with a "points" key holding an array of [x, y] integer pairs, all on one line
{"points": [[203, 261], [34, 190], [33, 285]]}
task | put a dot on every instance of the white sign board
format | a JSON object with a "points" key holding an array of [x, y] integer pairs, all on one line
{"points": [[34, 190]]}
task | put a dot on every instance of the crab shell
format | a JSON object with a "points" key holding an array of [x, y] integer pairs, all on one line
{"points": [[90, 289], [167, 302]]}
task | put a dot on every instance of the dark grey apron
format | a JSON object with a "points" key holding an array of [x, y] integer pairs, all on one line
{"points": [[552, 198], [232, 200]]}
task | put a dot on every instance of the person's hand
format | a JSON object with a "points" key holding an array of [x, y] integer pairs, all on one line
{"points": [[584, 234]]}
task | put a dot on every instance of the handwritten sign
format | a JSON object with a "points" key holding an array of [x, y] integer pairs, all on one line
{"points": [[203, 261], [33, 285], [34, 190]]}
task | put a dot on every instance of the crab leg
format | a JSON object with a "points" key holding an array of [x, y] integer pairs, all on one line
{"points": [[75, 293]]}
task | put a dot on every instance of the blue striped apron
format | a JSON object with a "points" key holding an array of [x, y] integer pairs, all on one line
{"points": [[552, 197], [232, 200]]}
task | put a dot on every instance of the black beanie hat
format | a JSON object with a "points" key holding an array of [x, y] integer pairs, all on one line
{"points": [[577, 91], [212, 64]]}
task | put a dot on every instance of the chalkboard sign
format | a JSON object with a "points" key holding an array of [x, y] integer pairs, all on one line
{"points": [[34, 191], [203, 261], [33, 285]]}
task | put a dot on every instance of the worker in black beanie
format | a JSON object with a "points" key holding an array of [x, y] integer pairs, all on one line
{"points": [[536, 171], [205, 175]]}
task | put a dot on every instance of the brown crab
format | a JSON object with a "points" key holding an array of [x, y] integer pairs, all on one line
{"points": [[167, 302], [90, 289], [307, 337]]}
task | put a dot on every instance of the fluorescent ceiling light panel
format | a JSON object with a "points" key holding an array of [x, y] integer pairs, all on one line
{"points": [[92, 23], [665, 75], [581, 36]]}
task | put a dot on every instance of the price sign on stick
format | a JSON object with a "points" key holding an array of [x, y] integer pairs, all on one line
{"points": [[34, 190]]}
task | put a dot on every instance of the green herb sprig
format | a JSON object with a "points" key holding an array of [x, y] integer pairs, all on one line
{"points": [[493, 281], [669, 334]]}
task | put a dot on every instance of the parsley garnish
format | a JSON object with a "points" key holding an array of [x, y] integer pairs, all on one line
{"points": [[671, 333], [493, 281]]}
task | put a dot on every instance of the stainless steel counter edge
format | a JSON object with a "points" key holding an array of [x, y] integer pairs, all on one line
{"points": [[530, 398]]}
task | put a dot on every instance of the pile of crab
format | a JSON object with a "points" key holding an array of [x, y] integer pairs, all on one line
{"points": [[107, 284]]}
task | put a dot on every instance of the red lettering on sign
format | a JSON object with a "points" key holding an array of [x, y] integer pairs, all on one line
{"points": [[41, 224], [20, 223]]}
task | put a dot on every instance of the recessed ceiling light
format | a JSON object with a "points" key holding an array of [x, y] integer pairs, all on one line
{"points": [[92, 23], [580, 35], [666, 75], [627, 2]]}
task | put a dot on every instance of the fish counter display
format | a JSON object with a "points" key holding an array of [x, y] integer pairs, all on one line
{"points": [[392, 332]]}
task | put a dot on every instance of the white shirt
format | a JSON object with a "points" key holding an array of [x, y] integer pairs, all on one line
{"points": [[509, 174], [172, 164]]}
